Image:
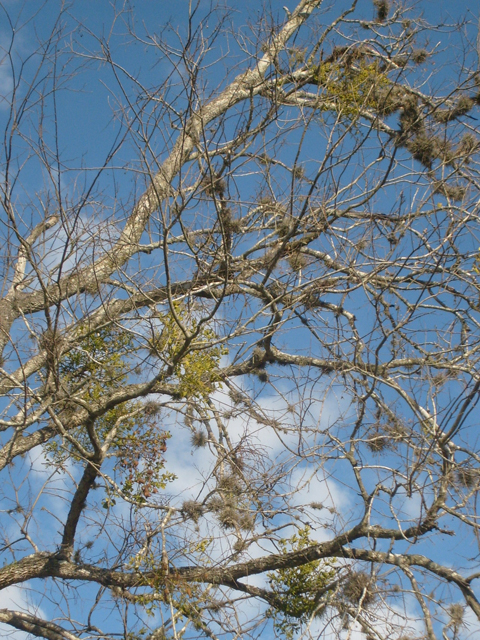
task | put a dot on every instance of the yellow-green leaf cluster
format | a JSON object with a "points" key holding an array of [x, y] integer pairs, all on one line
{"points": [[100, 363], [351, 88], [298, 589], [195, 370], [476, 266]]}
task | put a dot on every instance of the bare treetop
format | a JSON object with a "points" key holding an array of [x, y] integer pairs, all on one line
{"points": [[239, 321]]}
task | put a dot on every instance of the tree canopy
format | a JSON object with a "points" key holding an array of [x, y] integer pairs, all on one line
{"points": [[240, 321]]}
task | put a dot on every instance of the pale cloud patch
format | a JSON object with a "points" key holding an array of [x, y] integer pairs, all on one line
{"points": [[6, 78], [51, 490], [388, 621], [6, 85], [468, 628], [10, 46], [16, 598], [411, 508], [320, 498], [189, 466]]}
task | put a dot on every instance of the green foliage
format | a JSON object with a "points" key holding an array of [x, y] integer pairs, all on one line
{"points": [[196, 370], [99, 364], [476, 267], [298, 589], [96, 366], [184, 596], [352, 88], [102, 362]]}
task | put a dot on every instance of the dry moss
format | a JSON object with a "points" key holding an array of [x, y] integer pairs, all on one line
{"points": [[230, 484], [424, 148], [262, 375], [192, 510], [311, 301], [358, 588], [284, 228], [453, 191], [228, 518], [382, 7], [388, 100], [213, 185], [419, 55], [411, 120], [378, 443], [457, 614], [467, 145], [467, 477], [297, 261], [236, 397], [199, 439], [152, 408], [463, 105]]}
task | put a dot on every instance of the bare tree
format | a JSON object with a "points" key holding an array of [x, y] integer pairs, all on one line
{"points": [[240, 336]]}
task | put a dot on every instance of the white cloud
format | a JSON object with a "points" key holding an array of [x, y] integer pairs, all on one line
{"points": [[470, 627], [13, 44], [18, 598], [6, 78], [388, 621], [6, 85], [317, 488]]}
